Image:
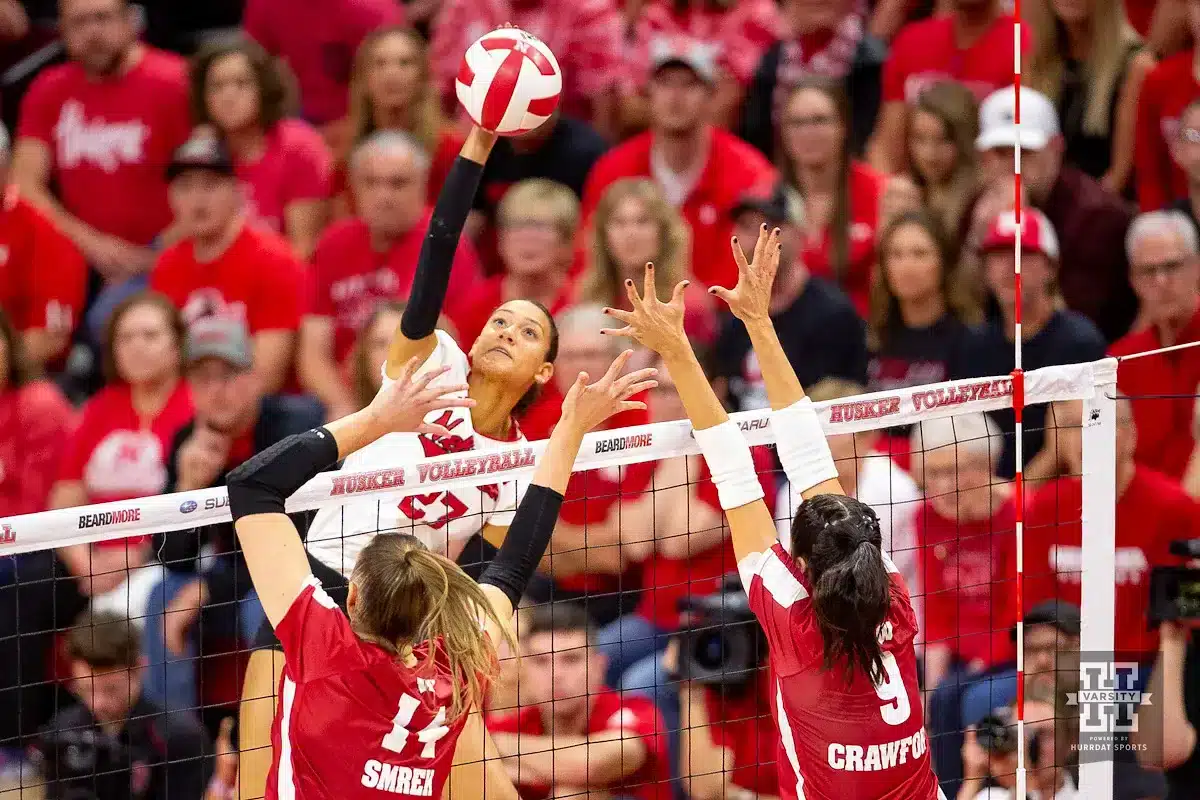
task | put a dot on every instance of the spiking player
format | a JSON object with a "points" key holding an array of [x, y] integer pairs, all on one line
{"points": [[375, 699], [837, 616]]}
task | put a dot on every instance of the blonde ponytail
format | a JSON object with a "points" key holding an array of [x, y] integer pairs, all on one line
{"points": [[409, 596]]}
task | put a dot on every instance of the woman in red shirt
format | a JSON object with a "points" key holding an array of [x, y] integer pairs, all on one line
{"points": [[36, 422], [634, 224], [125, 431], [391, 90], [284, 163], [842, 196]]}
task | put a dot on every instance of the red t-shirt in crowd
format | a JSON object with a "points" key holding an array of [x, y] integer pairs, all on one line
{"points": [[1166, 92], [317, 39], [733, 169], [256, 280], [1162, 387], [1151, 512], [610, 711], [36, 426], [866, 194], [296, 166], [43, 277], [925, 53], [666, 581], [118, 455], [350, 278], [744, 722], [739, 33], [968, 570], [486, 297], [110, 141], [355, 721]]}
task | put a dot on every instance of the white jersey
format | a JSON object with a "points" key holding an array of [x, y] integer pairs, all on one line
{"points": [[442, 520]]}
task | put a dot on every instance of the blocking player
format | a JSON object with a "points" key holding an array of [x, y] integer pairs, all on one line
{"points": [[837, 615], [506, 366], [379, 696]]}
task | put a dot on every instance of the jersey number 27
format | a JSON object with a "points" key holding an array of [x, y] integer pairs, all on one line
{"points": [[430, 735]]}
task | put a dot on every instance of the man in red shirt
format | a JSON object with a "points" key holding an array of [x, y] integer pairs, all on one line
{"points": [[571, 733], [702, 170], [1167, 90], [973, 45], [1151, 511], [225, 267], [1164, 266], [965, 532], [371, 258], [43, 278], [100, 128]]}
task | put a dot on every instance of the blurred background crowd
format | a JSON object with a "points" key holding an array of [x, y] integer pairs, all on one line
{"points": [[211, 218]]}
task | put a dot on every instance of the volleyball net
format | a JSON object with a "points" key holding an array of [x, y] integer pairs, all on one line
{"points": [[635, 599]]}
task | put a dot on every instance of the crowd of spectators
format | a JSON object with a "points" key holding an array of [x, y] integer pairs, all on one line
{"points": [[211, 219]]}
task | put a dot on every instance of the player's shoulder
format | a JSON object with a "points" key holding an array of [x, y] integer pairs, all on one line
{"points": [[778, 575]]}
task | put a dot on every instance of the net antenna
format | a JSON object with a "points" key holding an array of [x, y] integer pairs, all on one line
{"points": [[1018, 405]]}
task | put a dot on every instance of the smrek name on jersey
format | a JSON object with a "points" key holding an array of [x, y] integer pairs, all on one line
{"points": [[398, 780]]}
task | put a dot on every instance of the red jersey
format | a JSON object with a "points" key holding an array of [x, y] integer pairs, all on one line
{"points": [[733, 169], [1151, 512], [745, 725], [968, 569], [352, 716], [256, 280], [925, 53], [43, 277], [669, 580], [317, 39], [295, 166], [866, 192], [37, 426], [350, 278], [110, 140], [610, 711], [1163, 386], [862, 741], [1166, 92]]}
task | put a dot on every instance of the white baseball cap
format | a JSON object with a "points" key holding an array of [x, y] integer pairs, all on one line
{"points": [[1036, 233], [998, 120]]}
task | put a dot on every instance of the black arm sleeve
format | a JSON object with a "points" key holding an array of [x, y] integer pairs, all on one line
{"points": [[432, 276], [262, 484], [525, 543]]}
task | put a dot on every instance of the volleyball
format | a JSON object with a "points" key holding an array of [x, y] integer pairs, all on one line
{"points": [[509, 82]]}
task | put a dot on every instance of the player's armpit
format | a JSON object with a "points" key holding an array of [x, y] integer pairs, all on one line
{"points": [[494, 534], [402, 350], [478, 772], [275, 557], [502, 607]]}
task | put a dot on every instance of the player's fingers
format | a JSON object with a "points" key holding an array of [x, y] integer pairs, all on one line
{"points": [[406, 372], [616, 313], [615, 369], [429, 429], [626, 331], [631, 405], [677, 295], [636, 389], [649, 373], [420, 382], [760, 246], [648, 289], [438, 403], [773, 242], [739, 255], [632, 294]]}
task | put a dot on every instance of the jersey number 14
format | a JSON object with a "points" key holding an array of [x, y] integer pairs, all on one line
{"points": [[430, 735]]}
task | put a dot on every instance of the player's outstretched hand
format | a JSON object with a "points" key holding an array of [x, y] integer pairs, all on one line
{"points": [[589, 404], [652, 323], [750, 300], [403, 405]]}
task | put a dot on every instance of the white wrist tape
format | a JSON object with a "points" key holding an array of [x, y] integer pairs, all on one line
{"points": [[730, 464], [801, 445]]}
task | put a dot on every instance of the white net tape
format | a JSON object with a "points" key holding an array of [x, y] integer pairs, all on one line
{"points": [[185, 510]]}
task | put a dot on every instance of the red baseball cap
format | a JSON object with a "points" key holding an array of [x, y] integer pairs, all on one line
{"points": [[1036, 232]]}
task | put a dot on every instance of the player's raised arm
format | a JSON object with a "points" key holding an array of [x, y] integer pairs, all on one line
{"points": [[259, 488], [799, 439], [415, 336], [585, 406], [659, 326]]}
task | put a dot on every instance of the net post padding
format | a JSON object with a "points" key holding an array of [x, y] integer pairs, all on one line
{"points": [[1099, 542], [186, 510]]}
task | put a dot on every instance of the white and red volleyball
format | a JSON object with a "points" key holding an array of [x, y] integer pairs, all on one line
{"points": [[509, 82]]}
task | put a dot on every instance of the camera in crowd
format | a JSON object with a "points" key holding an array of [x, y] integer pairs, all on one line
{"points": [[86, 764], [1175, 591], [722, 643], [997, 734]]}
